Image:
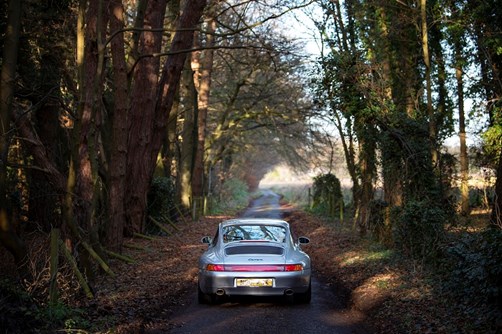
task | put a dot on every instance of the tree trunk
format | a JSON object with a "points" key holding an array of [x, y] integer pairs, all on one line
{"points": [[187, 145], [347, 140], [391, 169], [141, 119], [464, 159], [170, 153], [367, 170], [118, 154], [87, 131], [138, 24], [59, 183], [8, 235], [43, 207], [89, 119], [147, 125], [203, 101], [490, 61], [496, 215], [428, 83]]}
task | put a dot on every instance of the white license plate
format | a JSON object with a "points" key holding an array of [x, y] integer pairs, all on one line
{"points": [[254, 282]]}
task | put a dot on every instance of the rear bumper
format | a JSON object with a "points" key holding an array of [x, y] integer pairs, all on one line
{"points": [[284, 282]]}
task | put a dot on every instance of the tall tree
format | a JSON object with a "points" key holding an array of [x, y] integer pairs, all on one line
{"points": [[457, 35], [204, 88], [87, 132], [383, 93], [152, 102], [118, 150], [8, 234], [428, 81], [188, 133], [141, 116], [487, 38]]}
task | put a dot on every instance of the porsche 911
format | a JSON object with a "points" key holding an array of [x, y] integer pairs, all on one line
{"points": [[256, 257]]}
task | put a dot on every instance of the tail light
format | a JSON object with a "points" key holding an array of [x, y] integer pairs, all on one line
{"points": [[293, 267], [215, 267], [258, 268]]}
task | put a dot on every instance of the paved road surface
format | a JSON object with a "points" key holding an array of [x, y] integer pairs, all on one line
{"points": [[257, 315], [266, 206]]}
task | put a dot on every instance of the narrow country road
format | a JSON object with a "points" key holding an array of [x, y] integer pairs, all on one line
{"points": [[265, 206], [258, 315]]}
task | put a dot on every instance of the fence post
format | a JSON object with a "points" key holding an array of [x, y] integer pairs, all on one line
{"points": [[309, 198], [194, 209], [204, 210], [341, 210]]}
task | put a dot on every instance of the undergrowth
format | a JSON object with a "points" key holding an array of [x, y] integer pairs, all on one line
{"points": [[460, 292], [234, 196]]}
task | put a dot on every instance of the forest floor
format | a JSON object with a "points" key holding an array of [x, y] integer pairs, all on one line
{"points": [[396, 295]]}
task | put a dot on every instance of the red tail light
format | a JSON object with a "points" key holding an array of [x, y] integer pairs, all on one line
{"points": [[293, 267], [215, 267], [260, 268]]}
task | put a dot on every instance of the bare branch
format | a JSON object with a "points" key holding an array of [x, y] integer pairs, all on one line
{"points": [[170, 53], [259, 23]]}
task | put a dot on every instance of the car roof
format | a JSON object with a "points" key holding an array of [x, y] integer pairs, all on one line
{"points": [[254, 221]]}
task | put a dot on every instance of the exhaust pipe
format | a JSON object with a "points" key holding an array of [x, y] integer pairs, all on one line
{"points": [[220, 292], [288, 292]]}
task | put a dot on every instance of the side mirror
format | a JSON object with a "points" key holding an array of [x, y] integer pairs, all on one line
{"points": [[206, 240], [303, 240]]}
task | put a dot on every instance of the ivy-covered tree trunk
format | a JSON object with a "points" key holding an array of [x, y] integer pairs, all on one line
{"points": [[367, 168], [496, 214], [390, 156], [487, 38]]}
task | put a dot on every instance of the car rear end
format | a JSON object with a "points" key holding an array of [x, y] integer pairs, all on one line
{"points": [[258, 269]]}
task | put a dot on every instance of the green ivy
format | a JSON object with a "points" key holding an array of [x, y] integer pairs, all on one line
{"points": [[492, 142], [327, 194], [475, 264], [419, 229]]}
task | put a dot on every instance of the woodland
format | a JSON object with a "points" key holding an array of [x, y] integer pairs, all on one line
{"points": [[121, 118]]}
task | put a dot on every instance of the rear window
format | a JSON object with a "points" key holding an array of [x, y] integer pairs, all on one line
{"points": [[254, 232]]}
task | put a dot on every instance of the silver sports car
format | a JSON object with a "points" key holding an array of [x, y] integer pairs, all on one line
{"points": [[254, 257]]}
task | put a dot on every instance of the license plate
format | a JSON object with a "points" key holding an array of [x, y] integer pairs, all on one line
{"points": [[254, 282]]}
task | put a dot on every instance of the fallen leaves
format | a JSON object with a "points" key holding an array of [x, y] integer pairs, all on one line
{"points": [[395, 297], [162, 279]]}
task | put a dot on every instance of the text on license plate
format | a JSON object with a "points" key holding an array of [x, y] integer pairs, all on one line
{"points": [[254, 282]]}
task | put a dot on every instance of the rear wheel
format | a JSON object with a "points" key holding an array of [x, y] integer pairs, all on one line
{"points": [[205, 298], [305, 297], [202, 297]]}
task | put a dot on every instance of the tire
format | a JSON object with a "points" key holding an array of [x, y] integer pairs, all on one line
{"points": [[202, 298], [209, 299], [304, 298]]}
